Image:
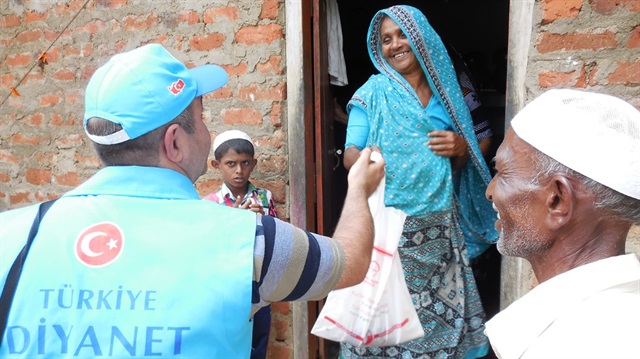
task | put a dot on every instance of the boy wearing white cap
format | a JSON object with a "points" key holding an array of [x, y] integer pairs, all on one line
{"points": [[567, 191], [234, 153]]}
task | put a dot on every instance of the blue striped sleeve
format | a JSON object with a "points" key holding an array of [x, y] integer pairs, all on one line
{"points": [[294, 264]]}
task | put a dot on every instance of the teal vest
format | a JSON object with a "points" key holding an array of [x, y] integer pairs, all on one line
{"points": [[130, 277]]}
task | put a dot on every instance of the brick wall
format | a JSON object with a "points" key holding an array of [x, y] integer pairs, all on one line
{"points": [[586, 44], [43, 149]]}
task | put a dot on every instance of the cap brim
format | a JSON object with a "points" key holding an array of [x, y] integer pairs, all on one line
{"points": [[209, 78]]}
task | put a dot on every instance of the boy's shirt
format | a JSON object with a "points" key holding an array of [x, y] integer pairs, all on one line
{"points": [[261, 195]]}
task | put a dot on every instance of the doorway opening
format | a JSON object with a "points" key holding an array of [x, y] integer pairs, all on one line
{"points": [[478, 31]]}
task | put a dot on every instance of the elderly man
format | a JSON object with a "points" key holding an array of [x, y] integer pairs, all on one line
{"points": [[567, 191], [132, 263]]}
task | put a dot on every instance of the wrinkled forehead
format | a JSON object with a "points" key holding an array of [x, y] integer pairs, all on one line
{"points": [[514, 152]]}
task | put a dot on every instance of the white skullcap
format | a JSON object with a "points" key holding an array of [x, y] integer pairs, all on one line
{"points": [[594, 134], [230, 135]]}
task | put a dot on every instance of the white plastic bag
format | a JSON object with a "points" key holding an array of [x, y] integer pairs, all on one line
{"points": [[379, 311]]}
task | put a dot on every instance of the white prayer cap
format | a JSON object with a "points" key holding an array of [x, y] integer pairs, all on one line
{"points": [[594, 134], [230, 135]]}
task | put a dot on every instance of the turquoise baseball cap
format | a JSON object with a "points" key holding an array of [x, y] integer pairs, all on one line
{"points": [[143, 89]]}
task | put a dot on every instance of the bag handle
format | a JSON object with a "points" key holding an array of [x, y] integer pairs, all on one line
{"points": [[16, 269]]}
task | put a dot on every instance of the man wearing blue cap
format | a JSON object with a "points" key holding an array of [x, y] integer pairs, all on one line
{"points": [[128, 263]]}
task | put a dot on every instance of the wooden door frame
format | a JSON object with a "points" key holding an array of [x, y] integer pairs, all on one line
{"points": [[301, 171]]}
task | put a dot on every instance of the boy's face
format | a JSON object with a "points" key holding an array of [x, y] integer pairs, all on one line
{"points": [[236, 169]]}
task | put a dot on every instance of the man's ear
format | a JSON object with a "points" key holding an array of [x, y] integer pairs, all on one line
{"points": [[560, 201], [215, 164], [171, 144]]}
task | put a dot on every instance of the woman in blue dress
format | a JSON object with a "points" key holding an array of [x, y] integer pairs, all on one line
{"points": [[414, 111]]}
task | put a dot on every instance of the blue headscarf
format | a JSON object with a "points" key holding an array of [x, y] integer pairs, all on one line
{"points": [[420, 182]]}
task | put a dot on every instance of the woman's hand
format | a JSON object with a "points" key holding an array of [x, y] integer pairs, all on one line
{"points": [[447, 144]]}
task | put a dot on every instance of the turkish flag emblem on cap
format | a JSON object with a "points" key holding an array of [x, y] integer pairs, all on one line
{"points": [[176, 87], [99, 245]]}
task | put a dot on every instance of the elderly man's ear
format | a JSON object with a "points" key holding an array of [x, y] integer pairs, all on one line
{"points": [[560, 201]]}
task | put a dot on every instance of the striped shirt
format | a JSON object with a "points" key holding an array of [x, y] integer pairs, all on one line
{"points": [[291, 264]]}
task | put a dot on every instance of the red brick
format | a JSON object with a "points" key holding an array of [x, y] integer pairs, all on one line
{"points": [[8, 157], [272, 164], [41, 196], [161, 39], [253, 92], [281, 328], [87, 72], [7, 42], [273, 65], [21, 139], [237, 70], [73, 98], [67, 8], [207, 42], [92, 27], [58, 120], [211, 15], [224, 92], [275, 116], [38, 176], [555, 79], [37, 119], [19, 198], [50, 99], [29, 36], [33, 16], [549, 42], [560, 9], [64, 74], [4, 178], [276, 140], [69, 179], [270, 9], [261, 34], [245, 116], [608, 6], [18, 60], [206, 186], [7, 80], [51, 36], [134, 23], [627, 73], [190, 17], [9, 21], [283, 308], [53, 54], [634, 39]]}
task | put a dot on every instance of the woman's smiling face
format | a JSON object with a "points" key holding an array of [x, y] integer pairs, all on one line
{"points": [[396, 48]]}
